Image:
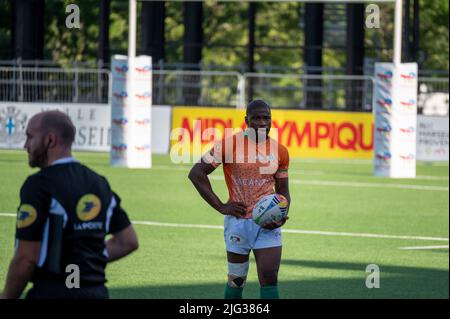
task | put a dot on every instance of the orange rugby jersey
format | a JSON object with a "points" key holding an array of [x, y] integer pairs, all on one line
{"points": [[250, 168]]}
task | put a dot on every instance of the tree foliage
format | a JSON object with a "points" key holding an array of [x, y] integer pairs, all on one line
{"points": [[279, 34]]}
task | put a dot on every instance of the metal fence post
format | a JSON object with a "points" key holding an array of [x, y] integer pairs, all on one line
{"points": [[75, 82], [240, 92], [21, 83]]}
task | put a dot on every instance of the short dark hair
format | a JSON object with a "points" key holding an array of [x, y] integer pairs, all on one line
{"points": [[59, 123], [256, 104]]}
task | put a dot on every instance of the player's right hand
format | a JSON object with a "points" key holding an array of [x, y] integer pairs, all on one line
{"points": [[274, 225], [236, 209]]}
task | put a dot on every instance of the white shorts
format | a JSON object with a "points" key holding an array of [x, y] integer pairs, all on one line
{"points": [[242, 235]]}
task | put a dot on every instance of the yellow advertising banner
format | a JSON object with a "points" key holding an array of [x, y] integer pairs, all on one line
{"points": [[306, 134]]}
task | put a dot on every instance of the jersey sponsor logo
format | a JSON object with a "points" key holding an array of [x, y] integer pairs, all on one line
{"points": [[88, 226], [88, 207], [26, 216], [252, 181]]}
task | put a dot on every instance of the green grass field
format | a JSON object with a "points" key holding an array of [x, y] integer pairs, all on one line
{"points": [[327, 196]]}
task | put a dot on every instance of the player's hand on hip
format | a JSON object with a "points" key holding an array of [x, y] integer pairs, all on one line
{"points": [[236, 209], [274, 225]]}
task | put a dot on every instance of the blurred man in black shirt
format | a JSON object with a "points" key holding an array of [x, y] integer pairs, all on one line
{"points": [[66, 210]]}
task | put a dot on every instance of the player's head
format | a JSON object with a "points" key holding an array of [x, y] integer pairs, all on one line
{"points": [[49, 131], [258, 116]]}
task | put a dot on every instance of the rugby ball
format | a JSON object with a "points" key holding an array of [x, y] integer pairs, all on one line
{"points": [[270, 208]]}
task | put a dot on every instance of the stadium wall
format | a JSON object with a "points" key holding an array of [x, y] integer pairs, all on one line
{"points": [[307, 134]]}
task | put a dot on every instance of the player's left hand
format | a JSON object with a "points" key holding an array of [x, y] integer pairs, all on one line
{"points": [[274, 225]]}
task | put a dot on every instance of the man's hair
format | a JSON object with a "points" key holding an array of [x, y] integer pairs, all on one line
{"points": [[255, 104], [59, 123]]}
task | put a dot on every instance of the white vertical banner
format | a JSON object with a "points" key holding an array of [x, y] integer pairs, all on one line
{"points": [[131, 103], [395, 120]]}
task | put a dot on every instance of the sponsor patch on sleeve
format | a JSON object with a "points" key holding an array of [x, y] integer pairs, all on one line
{"points": [[26, 216]]}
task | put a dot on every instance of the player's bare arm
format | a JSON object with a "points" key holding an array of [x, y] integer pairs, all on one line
{"points": [[21, 268], [122, 243], [199, 177], [282, 187]]}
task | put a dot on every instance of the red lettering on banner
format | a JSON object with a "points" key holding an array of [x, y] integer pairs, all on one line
{"points": [[345, 136], [280, 129], [185, 125], [319, 135], [202, 124], [333, 136], [216, 123], [350, 143], [205, 124], [361, 138], [294, 131]]}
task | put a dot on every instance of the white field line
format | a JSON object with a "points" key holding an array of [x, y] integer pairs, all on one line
{"points": [[314, 173], [358, 184], [432, 178], [332, 161], [423, 247], [293, 231], [370, 185], [186, 168], [333, 183], [7, 215], [358, 161]]}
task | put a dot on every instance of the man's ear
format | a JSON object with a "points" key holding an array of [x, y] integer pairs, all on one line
{"points": [[52, 140]]}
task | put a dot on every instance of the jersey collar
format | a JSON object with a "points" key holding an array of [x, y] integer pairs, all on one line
{"points": [[246, 135], [65, 160]]}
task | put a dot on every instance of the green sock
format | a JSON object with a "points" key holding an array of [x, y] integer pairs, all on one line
{"points": [[269, 292], [233, 293]]}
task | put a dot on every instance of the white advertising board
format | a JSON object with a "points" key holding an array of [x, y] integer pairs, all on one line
{"points": [[92, 122], [432, 138]]}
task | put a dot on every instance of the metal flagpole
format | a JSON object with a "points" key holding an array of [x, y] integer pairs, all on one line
{"points": [[397, 56], [132, 29]]}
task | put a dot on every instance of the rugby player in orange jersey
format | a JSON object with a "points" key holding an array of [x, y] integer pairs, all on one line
{"points": [[254, 165]]}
